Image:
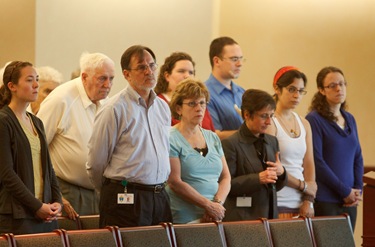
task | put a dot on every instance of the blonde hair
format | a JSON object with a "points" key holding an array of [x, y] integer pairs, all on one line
{"points": [[189, 88]]}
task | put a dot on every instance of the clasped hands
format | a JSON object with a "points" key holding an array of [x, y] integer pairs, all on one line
{"points": [[49, 211], [213, 212], [353, 198], [273, 170]]}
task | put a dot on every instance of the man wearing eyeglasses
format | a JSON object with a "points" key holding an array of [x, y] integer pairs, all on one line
{"points": [[129, 149], [225, 96]]}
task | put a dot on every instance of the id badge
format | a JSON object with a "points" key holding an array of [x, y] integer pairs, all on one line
{"points": [[123, 198], [243, 201]]}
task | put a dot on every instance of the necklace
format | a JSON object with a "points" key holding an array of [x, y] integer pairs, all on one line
{"points": [[201, 151], [293, 131], [195, 138]]}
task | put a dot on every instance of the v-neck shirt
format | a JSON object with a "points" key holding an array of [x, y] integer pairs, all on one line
{"points": [[200, 172], [32, 136]]}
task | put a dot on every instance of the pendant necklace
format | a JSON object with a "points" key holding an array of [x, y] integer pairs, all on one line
{"points": [[293, 131], [199, 150]]}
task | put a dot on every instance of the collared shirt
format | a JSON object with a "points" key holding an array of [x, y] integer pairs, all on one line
{"points": [[130, 140], [221, 106], [68, 116]]}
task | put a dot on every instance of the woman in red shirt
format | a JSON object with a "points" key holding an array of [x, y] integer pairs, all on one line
{"points": [[177, 67]]}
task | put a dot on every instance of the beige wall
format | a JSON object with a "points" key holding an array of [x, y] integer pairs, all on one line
{"points": [[17, 25], [309, 34], [67, 28]]}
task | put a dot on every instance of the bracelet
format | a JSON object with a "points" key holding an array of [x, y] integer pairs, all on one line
{"points": [[299, 185], [218, 201], [304, 187]]}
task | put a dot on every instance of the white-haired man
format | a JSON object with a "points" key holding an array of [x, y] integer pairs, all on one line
{"points": [[68, 115], [49, 79]]}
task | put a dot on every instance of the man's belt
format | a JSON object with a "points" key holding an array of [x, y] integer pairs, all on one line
{"points": [[156, 188]]}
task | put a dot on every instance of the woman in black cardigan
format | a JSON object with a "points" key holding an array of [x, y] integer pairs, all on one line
{"points": [[30, 199]]}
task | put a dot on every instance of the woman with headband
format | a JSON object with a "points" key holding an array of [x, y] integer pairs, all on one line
{"points": [[30, 198], [295, 140]]}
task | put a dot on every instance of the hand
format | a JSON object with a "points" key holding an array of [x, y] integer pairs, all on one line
{"points": [[306, 209], [206, 218], [238, 110], [45, 213], [214, 212], [56, 208], [268, 176], [353, 198], [69, 210], [277, 164], [354, 204]]}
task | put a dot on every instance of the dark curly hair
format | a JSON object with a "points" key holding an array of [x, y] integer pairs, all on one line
{"points": [[319, 102]]}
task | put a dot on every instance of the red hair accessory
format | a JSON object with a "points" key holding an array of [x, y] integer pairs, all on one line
{"points": [[282, 71]]}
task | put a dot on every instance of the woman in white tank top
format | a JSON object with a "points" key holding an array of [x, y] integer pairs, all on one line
{"points": [[295, 141]]}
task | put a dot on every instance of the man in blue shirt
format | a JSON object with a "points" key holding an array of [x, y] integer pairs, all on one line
{"points": [[225, 96], [128, 159]]}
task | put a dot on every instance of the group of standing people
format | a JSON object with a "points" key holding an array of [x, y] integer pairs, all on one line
{"points": [[231, 154]]}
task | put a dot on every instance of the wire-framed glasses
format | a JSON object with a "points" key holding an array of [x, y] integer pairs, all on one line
{"points": [[334, 85], [193, 104], [143, 67]]}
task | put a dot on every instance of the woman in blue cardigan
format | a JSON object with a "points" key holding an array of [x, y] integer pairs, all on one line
{"points": [[30, 198], [337, 152]]}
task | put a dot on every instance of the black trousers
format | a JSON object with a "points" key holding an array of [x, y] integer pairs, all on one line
{"points": [[332, 209], [149, 208]]}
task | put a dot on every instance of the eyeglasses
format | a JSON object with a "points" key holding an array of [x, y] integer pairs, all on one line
{"points": [[143, 67], [235, 59], [264, 116], [334, 85], [293, 90], [193, 104]]}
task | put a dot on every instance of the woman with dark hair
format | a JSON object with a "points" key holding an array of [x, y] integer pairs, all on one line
{"points": [[177, 67], [296, 149], [30, 199], [337, 151], [253, 161]]}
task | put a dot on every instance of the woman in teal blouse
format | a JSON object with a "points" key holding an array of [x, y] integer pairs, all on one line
{"points": [[199, 181]]}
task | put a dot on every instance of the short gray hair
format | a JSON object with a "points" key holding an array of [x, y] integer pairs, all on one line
{"points": [[49, 74], [91, 61]]}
